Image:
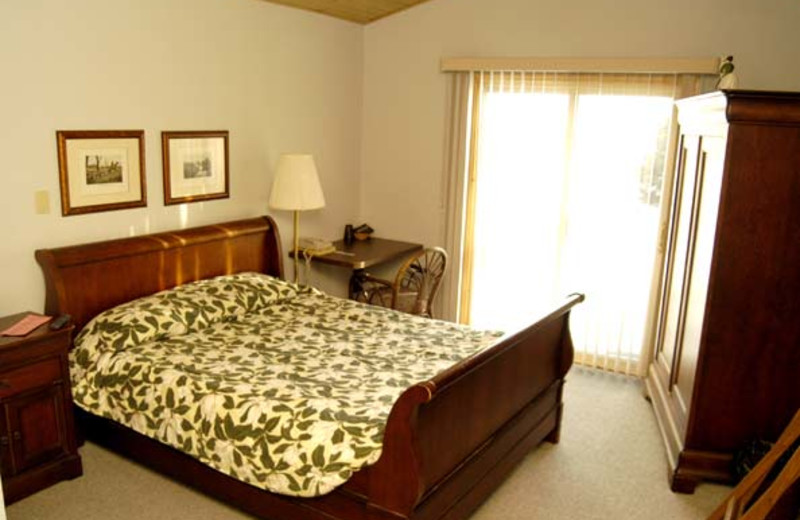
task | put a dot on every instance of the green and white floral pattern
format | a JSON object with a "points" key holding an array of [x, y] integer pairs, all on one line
{"points": [[279, 386]]}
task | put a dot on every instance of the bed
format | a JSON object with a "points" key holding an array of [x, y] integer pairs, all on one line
{"points": [[448, 441]]}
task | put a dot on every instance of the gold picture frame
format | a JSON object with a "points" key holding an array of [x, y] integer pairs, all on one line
{"points": [[195, 166], [101, 170]]}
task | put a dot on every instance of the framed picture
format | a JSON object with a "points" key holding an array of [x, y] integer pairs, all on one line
{"points": [[101, 170], [195, 166]]}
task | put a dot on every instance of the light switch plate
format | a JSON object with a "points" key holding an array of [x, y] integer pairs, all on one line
{"points": [[41, 200]]}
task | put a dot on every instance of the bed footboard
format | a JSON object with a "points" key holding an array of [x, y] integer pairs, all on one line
{"points": [[450, 441]]}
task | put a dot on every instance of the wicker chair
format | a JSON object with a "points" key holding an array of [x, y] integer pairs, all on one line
{"points": [[414, 287]]}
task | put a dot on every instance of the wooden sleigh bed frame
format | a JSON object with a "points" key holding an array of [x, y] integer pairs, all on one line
{"points": [[449, 442]]}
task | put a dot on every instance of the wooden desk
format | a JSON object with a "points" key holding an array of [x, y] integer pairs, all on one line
{"points": [[362, 254]]}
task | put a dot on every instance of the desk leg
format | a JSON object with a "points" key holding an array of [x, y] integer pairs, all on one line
{"points": [[356, 287]]}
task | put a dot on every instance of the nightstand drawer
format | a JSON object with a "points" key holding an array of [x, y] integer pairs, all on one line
{"points": [[29, 377]]}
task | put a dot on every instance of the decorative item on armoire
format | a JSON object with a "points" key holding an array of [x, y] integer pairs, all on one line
{"points": [[727, 77]]}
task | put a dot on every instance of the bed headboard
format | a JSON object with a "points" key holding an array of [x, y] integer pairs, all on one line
{"points": [[85, 279]]}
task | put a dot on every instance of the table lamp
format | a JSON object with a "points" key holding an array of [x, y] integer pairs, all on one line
{"points": [[296, 188]]}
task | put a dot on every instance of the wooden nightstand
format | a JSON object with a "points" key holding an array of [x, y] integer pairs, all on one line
{"points": [[37, 433]]}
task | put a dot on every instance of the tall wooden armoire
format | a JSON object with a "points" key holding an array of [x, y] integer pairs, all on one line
{"points": [[726, 364]]}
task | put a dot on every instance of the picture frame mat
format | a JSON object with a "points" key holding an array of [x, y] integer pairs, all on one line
{"points": [[185, 150], [195, 165], [101, 170]]}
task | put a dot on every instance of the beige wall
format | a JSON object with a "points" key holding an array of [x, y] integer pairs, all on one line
{"points": [[404, 93], [279, 79], [284, 80]]}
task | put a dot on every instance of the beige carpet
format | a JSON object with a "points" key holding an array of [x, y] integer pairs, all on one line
{"points": [[610, 464]]}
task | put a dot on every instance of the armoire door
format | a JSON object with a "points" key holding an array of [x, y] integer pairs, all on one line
{"points": [[700, 251], [669, 329]]}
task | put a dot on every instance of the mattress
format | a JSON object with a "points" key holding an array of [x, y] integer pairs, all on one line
{"points": [[279, 386]]}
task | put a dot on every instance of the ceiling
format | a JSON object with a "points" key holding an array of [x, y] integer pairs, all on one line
{"points": [[359, 11]]}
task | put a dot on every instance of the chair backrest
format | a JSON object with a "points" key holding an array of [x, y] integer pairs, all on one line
{"points": [[772, 487], [418, 281]]}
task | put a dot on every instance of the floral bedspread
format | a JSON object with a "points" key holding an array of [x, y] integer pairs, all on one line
{"points": [[279, 386]]}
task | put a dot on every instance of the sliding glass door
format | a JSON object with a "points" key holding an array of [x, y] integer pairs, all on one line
{"points": [[565, 197]]}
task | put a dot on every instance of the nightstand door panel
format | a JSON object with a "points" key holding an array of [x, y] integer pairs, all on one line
{"points": [[36, 427], [6, 467]]}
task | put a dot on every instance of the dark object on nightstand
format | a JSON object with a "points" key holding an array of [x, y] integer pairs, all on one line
{"points": [[59, 322], [363, 232], [348, 234], [37, 434]]}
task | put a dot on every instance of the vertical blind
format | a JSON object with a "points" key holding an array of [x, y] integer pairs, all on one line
{"points": [[566, 176]]}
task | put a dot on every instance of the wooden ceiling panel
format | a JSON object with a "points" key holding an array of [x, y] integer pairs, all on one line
{"points": [[359, 11]]}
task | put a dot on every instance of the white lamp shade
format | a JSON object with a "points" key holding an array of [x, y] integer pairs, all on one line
{"points": [[296, 185]]}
